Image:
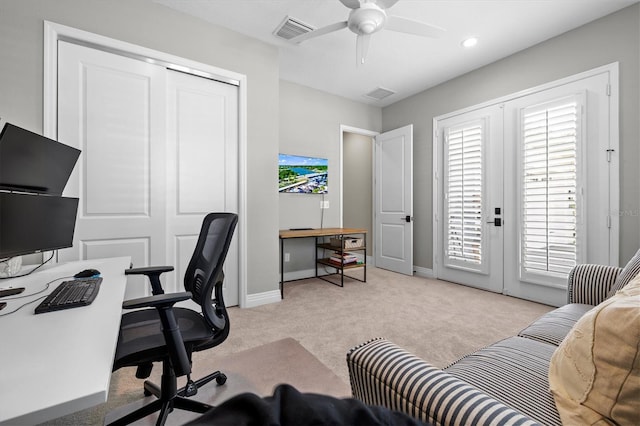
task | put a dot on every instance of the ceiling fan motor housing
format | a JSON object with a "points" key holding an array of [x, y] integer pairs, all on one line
{"points": [[367, 19]]}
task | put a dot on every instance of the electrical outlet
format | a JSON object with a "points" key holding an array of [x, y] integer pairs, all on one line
{"points": [[287, 257]]}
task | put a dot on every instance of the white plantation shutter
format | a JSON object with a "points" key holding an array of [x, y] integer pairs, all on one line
{"points": [[550, 143], [464, 191]]}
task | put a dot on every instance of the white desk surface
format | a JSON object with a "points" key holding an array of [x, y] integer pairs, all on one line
{"points": [[57, 363]]}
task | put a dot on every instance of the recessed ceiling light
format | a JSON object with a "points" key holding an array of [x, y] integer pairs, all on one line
{"points": [[470, 42]]}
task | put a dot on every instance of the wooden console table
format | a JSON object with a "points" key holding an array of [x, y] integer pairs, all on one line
{"points": [[341, 233]]}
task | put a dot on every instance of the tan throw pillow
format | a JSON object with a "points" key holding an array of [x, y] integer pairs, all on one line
{"points": [[594, 375]]}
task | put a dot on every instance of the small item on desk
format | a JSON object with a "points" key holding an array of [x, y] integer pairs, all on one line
{"points": [[300, 229], [5, 292], [87, 273]]}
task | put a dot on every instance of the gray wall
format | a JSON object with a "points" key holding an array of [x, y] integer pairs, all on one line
{"points": [[613, 38], [146, 24], [310, 125], [358, 187]]}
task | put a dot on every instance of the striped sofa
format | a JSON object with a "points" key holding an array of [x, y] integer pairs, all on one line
{"points": [[503, 384]]}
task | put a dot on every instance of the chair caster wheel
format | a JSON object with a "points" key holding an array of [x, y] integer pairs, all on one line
{"points": [[221, 379]]}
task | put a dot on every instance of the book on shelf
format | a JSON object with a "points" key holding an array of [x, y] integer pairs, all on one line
{"points": [[346, 258]]}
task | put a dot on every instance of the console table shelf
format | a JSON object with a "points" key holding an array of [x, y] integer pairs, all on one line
{"points": [[320, 235], [327, 262]]}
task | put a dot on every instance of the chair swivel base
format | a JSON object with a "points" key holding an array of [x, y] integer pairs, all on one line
{"points": [[169, 398], [190, 389], [164, 407]]}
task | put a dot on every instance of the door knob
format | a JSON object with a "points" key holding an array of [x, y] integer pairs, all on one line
{"points": [[497, 221]]}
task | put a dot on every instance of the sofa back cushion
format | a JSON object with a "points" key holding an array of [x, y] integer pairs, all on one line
{"points": [[594, 374], [630, 271]]}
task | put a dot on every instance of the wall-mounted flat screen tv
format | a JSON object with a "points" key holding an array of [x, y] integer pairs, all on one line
{"points": [[302, 175]]}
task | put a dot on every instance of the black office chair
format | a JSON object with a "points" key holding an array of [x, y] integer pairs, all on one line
{"points": [[163, 333]]}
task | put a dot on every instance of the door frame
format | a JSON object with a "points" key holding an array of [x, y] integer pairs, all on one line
{"points": [[54, 32], [614, 144], [372, 134]]}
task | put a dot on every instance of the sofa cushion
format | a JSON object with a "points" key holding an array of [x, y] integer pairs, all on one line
{"points": [[553, 326], [629, 272], [513, 371], [594, 374]]}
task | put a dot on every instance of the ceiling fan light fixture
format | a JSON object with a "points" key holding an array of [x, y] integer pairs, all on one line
{"points": [[469, 42], [367, 19]]}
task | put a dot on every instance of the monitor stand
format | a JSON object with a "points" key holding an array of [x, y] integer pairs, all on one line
{"points": [[5, 292]]}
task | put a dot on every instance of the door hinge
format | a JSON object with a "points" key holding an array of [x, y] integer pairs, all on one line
{"points": [[608, 89], [609, 151], [608, 221]]}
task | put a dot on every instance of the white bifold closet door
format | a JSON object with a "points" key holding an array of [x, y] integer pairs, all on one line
{"points": [[159, 151]]}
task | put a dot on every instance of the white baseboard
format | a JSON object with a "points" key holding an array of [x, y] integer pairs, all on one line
{"points": [[265, 298], [423, 272]]}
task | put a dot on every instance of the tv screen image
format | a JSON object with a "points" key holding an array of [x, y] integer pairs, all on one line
{"points": [[302, 175]]}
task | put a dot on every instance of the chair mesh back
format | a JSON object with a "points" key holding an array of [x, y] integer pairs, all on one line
{"points": [[204, 276]]}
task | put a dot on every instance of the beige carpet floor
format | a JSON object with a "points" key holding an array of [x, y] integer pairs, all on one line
{"points": [[438, 321]]}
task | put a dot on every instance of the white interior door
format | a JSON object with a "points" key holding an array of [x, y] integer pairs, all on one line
{"points": [[394, 200], [202, 141], [469, 180], [159, 151], [112, 108]]}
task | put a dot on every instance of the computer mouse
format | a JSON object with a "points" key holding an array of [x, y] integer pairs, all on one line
{"points": [[87, 273]]}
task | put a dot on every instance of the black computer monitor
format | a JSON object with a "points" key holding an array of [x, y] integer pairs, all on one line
{"points": [[35, 223], [32, 163]]}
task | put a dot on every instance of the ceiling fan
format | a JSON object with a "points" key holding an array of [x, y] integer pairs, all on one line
{"points": [[368, 17]]}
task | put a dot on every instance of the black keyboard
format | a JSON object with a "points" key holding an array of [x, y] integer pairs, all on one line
{"points": [[71, 294]]}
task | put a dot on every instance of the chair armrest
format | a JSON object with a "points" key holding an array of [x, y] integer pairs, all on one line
{"points": [[161, 300], [153, 273], [163, 303], [382, 373], [148, 270], [589, 284]]}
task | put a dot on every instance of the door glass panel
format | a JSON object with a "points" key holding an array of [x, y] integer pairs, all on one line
{"points": [[464, 172], [549, 185]]}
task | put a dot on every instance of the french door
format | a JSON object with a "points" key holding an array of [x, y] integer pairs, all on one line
{"points": [[524, 189], [471, 246], [159, 151]]}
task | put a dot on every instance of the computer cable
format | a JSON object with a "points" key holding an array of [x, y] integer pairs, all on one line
{"points": [[31, 271], [46, 287]]}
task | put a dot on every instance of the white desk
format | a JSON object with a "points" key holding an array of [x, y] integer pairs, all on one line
{"points": [[39, 353]]}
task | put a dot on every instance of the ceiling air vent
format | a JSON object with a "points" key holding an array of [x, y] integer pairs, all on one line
{"points": [[379, 93], [290, 28]]}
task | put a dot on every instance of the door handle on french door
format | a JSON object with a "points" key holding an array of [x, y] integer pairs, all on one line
{"points": [[407, 219], [497, 221]]}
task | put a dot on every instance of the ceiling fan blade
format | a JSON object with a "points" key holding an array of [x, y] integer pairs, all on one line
{"points": [[362, 47], [386, 4], [320, 31], [409, 26], [351, 4]]}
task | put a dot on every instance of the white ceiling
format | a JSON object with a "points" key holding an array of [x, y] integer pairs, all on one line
{"points": [[403, 63]]}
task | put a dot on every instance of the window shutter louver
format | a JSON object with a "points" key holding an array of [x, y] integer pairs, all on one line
{"points": [[549, 187], [464, 195]]}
